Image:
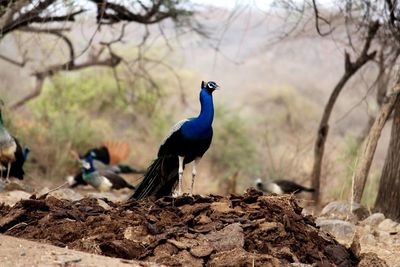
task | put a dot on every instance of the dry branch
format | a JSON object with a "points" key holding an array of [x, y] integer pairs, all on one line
{"points": [[350, 69], [369, 146]]}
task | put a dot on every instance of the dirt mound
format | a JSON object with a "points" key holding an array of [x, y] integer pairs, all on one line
{"points": [[239, 230]]}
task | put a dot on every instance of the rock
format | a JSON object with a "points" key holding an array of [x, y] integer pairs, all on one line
{"points": [[62, 193], [343, 231], [228, 238], [368, 239], [12, 197], [374, 219], [388, 225], [342, 211]]}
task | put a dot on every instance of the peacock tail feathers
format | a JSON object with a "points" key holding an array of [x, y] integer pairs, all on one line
{"points": [[117, 150], [160, 178]]}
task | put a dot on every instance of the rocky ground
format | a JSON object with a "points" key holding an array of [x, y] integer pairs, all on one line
{"points": [[239, 230]]}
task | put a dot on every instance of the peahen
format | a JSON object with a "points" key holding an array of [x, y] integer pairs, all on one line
{"points": [[21, 155], [102, 180], [12, 157], [188, 140], [106, 157], [281, 186]]}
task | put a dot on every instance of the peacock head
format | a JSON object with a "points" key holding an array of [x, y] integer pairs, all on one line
{"points": [[87, 163], [26, 152], [209, 86]]}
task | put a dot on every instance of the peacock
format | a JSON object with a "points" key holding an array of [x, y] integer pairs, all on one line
{"points": [[187, 141], [104, 180], [12, 156], [105, 157], [21, 155], [281, 186]]}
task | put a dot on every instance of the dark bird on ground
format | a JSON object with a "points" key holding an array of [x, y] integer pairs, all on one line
{"points": [[105, 158], [281, 186], [21, 155], [188, 140], [102, 180], [12, 157]]}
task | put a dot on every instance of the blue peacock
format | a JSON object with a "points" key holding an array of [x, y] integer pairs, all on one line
{"points": [[102, 180], [108, 157], [12, 156], [187, 141]]}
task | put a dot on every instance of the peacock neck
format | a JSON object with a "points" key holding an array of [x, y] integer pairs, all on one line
{"points": [[206, 115]]}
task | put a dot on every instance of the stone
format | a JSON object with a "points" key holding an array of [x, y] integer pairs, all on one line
{"points": [[341, 230], [12, 197], [344, 211], [228, 238], [388, 225], [62, 193], [368, 239], [373, 219]]}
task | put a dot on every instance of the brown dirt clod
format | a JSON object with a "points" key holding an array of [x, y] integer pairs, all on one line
{"points": [[239, 230]]}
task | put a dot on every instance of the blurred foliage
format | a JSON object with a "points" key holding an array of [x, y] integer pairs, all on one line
{"points": [[231, 149], [78, 111]]}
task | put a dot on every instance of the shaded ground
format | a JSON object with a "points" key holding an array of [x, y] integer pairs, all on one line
{"points": [[216, 231], [16, 252]]}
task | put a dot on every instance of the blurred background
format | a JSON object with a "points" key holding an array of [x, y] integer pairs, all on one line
{"points": [[132, 80]]}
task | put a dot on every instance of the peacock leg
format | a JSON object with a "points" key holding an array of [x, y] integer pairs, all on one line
{"points": [[194, 172], [8, 172], [180, 171]]}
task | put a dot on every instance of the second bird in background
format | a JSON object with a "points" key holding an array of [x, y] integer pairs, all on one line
{"points": [[281, 186], [102, 180]]}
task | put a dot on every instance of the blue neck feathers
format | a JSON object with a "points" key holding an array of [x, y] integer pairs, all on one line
{"points": [[206, 116], [200, 127], [89, 160]]}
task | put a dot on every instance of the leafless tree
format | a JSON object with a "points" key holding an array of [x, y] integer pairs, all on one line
{"points": [[368, 25], [57, 17]]}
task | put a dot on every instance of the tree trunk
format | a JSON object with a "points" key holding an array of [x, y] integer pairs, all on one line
{"points": [[369, 146], [388, 199], [350, 69]]}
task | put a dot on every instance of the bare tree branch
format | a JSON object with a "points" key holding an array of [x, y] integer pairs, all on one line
{"points": [[350, 69]]}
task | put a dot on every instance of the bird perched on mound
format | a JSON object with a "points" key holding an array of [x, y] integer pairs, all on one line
{"points": [[281, 186], [12, 157], [188, 141], [106, 157], [102, 180]]}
